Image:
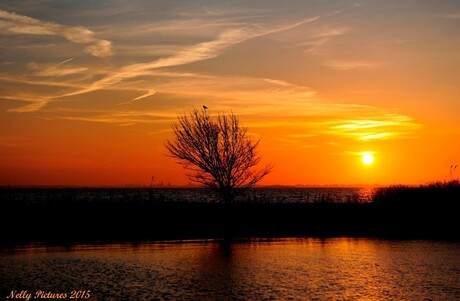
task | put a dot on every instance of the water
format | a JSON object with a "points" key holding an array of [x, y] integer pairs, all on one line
{"points": [[286, 269], [278, 195]]}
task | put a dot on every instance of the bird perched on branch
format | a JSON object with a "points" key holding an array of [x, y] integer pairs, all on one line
{"points": [[205, 107]]}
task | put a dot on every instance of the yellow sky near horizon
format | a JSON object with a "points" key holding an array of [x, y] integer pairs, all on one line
{"points": [[88, 91]]}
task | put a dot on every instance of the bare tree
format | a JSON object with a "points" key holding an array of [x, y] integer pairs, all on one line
{"points": [[218, 152]]}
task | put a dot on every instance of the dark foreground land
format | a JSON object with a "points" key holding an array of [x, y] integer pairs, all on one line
{"points": [[426, 212]]}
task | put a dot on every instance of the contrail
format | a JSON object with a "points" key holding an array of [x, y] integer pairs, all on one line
{"points": [[66, 61]]}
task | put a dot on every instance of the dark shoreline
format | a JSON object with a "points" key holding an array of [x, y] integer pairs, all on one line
{"points": [[79, 221]]}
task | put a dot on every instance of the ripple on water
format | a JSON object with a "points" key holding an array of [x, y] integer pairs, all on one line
{"points": [[298, 269]]}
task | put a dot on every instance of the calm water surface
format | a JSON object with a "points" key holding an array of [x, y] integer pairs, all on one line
{"points": [[288, 269]]}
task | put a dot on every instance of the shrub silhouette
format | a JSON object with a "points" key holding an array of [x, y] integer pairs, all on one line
{"points": [[218, 153], [436, 194]]}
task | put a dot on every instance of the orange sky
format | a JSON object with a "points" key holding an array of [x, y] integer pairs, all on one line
{"points": [[88, 90]]}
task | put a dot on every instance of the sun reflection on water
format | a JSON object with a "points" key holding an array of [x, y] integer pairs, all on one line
{"points": [[302, 269]]}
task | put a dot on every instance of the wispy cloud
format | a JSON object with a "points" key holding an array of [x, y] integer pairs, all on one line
{"points": [[330, 32], [190, 54], [11, 141], [387, 126], [236, 92], [380, 136], [125, 77], [35, 104], [12, 23], [125, 118], [39, 82], [351, 125], [66, 61], [318, 39], [351, 65], [54, 70], [149, 93], [452, 16]]}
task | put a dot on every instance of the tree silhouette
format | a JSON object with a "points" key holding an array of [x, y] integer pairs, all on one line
{"points": [[218, 152]]}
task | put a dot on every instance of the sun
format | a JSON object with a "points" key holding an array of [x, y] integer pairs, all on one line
{"points": [[367, 158]]}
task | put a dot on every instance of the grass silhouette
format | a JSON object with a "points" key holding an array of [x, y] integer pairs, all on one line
{"points": [[68, 216], [433, 195]]}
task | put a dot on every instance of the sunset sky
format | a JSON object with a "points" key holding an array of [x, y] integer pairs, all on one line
{"points": [[89, 89]]}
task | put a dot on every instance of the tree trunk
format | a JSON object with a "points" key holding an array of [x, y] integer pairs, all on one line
{"points": [[227, 195]]}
